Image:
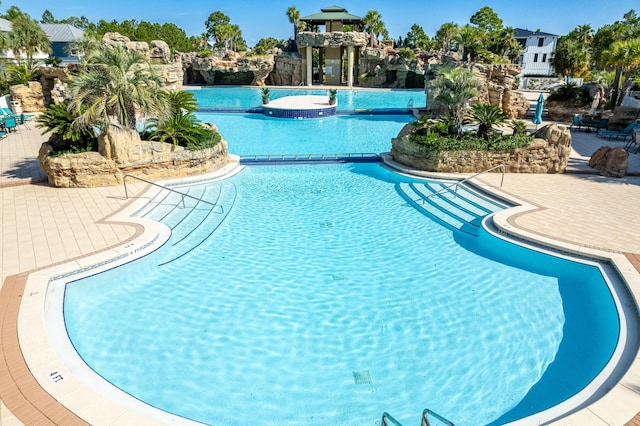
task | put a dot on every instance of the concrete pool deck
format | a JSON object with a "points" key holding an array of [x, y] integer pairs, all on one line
{"points": [[44, 226]]}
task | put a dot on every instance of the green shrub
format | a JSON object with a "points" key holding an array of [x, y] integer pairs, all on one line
{"points": [[406, 53], [205, 53], [65, 137], [471, 142], [183, 129], [570, 93], [212, 139]]}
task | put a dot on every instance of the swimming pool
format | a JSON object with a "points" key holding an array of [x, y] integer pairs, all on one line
{"points": [[325, 296], [256, 134], [224, 97]]}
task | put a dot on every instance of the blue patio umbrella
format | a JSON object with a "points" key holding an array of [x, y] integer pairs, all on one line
{"points": [[537, 117]]}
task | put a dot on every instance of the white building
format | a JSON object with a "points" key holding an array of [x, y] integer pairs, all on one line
{"points": [[537, 50]]}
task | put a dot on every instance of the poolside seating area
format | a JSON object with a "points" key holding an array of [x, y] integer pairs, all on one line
{"points": [[624, 134], [587, 124], [9, 121]]}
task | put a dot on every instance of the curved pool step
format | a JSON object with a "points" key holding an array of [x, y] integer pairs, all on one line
{"points": [[461, 209], [194, 230]]}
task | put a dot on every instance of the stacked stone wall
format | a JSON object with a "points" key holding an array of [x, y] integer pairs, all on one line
{"points": [[548, 153]]}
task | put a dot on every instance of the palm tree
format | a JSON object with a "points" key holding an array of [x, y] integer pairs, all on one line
{"points": [[509, 46], [470, 40], [624, 57], [583, 34], [81, 46], [373, 25], [27, 38], [117, 85], [454, 87], [181, 129], [294, 17], [180, 101], [487, 116], [446, 34]]}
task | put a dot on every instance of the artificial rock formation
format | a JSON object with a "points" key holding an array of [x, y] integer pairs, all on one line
{"points": [[122, 152], [384, 68], [498, 87], [231, 71], [611, 162], [30, 97], [548, 153], [287, 70], [334, 39]]}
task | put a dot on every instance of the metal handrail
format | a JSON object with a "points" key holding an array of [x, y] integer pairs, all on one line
{"points": [[387, 420], [439, 418], [126, 193], [460, 182]]}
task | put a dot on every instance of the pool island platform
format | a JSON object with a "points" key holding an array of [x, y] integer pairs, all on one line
{"points": [[300, 107]]}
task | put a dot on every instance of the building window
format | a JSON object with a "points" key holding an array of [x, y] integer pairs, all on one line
{"points": [[544, 57], [535, 57], [540, 41]]}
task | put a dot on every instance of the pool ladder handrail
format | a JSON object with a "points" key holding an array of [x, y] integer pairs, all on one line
{"points": [[460, 182], [388, 420], [425, 418], [126, 193]]}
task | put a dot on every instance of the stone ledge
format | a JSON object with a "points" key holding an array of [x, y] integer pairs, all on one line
{"points": [[122, 152], [548, 153]]}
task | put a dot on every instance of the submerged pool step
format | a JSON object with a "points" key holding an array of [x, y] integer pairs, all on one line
{"points": [[194, 229], [462, 210]]}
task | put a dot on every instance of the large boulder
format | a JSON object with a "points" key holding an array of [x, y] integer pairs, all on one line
{"points": [[30, 96], [610, 162], [287, 70], [160, 52]]}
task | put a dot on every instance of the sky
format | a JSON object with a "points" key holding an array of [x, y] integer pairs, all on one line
{"points": [[267, 18]]}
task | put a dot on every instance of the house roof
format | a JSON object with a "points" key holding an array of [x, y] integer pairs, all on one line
{"points": [[57, 33], [332, 13], [520, 33], [62, 33], [5, 26]]}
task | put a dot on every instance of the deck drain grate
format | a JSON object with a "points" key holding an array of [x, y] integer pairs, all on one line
{"points": [[362, 377]]}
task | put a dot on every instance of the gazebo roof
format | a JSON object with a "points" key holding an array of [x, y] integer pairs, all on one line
{"points": [[332, 13]]}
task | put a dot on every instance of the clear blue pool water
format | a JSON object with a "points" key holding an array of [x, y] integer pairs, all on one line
{"points": [[251, 134], [348, 99], [323, 297]]}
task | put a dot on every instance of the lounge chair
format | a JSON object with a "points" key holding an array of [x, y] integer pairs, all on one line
{"points": [[8, 113], [625, 133], [633, 142], [9, 124], [587, 124]]}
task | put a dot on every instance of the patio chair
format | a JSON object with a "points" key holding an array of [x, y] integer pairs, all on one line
{"points": [[577, 122], [633, 143], [625, 133], [10, 124], [8, 113]]}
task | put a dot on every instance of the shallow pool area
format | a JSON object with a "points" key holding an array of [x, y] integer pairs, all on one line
{"points": [[221, 98], [255, 134], [322, 294]]}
